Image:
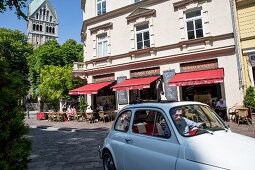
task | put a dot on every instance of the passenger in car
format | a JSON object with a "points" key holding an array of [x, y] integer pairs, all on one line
{"points": [[183, 124], [125, 120]]}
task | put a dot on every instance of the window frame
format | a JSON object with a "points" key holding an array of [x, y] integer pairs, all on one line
{"points": [[142, 33], [119, 116], [154, 122], [100, 2], [194, 19], [103, 51]]}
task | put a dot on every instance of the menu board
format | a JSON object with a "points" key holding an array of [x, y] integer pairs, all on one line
{"points": [[170, 91], [122, 95]]}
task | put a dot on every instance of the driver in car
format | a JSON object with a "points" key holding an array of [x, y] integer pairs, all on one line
{"points": [[185, 125]]}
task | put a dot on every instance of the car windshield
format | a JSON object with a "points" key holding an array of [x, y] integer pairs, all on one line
{"points": [[191, 120]]}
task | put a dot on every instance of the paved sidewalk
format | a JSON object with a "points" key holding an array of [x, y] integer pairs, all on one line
{"points": [[244, 129]]}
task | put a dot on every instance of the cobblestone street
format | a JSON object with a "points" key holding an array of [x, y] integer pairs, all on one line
{"points": [[73, 145]]}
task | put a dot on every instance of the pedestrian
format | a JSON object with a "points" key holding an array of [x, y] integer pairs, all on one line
{"points": [[27, 109]]}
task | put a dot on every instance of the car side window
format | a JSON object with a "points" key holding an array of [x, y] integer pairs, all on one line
{"points": [[151, 123], [123, 121]]}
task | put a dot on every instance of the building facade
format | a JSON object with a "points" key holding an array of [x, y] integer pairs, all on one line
{"points": [[185, 48], [245, 19], [42, 22]]}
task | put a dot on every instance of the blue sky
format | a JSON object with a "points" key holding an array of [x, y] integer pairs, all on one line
{"points": [[69, 17]]}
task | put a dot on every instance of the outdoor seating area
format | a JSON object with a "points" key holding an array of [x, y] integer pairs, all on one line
{"points": [[240, 114], [90, 117]]}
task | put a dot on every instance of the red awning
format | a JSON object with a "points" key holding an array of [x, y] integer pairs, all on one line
{"points": [[135, 83], [89, 88], [198, 77]]}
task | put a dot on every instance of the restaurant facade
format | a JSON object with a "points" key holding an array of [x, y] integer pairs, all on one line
{"points": [[136, 50]]}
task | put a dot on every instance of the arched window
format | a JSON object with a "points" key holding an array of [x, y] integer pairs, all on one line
{"points": [[33, 27], [37, 15], [47, 29], [50, 18], [47, 13], [40, 11], [50, 30], [44, 10], [40, 27], [53, 30], [37, 27]]}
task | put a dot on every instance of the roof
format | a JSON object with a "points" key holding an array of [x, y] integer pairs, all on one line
{"points": [[163, 105], [35, 4]]}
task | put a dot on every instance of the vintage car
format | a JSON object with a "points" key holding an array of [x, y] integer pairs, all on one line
{"points": [[174, 136]]}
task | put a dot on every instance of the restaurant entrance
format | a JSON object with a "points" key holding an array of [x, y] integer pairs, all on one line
{"points": [[209, 93]]}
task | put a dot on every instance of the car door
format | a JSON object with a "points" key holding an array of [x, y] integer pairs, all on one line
{"points": [[118, 136], [146, 147]]}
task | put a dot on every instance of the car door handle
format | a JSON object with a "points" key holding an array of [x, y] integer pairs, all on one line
{"points": [[128, 140]]}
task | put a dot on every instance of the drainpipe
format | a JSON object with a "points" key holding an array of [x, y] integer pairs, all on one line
{"points": [[237, 49]]}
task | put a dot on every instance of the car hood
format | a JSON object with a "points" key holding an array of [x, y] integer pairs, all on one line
{"points": [[222, 149]]}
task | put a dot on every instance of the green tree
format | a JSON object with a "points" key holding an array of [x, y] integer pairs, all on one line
{"points": [[55, 83], [71, 52], [18, 4], [14, 146], [47, 54], [249, 99]]}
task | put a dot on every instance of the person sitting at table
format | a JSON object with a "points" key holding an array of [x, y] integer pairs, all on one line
{"points": [[98, 109], [221, 107]]}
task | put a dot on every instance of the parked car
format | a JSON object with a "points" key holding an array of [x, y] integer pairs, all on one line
{"points": [[174, 136]]}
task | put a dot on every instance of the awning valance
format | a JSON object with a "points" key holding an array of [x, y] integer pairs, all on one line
{"points": [[198, 77], [135, 83], [89, 88]]}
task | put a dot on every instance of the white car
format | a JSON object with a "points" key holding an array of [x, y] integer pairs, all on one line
{"points": [[174, 136]]}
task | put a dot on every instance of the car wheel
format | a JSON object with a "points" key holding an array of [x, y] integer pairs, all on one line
{"points": [[108, 162]]}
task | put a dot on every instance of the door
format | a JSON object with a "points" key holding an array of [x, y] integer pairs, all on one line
{"points": [[118, 136], [151, 144]]}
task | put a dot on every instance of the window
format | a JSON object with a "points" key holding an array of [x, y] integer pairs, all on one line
{"points": [[194, 24], [50, 18], [122, 123], [102, 45], [101, 7], [151, 123], [135, 1], [142, 36], [40, 27], [37, 15], [34, 26]]}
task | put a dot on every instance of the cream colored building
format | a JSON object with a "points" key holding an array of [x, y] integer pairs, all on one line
{"points": [[42, 22], [246, 35], [184, 47]]}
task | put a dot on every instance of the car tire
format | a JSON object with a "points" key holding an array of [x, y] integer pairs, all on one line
{"points": [[108, 162]]}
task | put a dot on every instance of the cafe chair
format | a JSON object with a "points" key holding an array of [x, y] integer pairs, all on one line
{"points": [[242, 114], [103, 116]]}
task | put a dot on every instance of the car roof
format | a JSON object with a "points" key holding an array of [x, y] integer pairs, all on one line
{"points": [[165, 105]]}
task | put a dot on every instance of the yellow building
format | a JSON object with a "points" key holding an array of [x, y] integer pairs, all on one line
{"points": [[246, 34]]}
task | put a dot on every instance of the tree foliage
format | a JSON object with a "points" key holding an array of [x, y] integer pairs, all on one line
{"points": [[55, 83], [51, 53], [249, 99], [71, 52], [14, 146], [17, 4]]}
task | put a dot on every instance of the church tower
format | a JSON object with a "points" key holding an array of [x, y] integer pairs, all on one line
{"points": [[42, 22]]}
